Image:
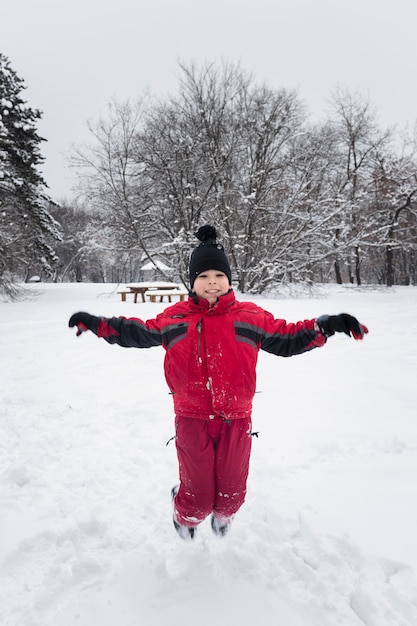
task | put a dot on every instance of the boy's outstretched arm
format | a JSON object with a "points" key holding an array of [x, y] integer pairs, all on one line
{"points": [[126, 332], [342, 323], [286, 340]]}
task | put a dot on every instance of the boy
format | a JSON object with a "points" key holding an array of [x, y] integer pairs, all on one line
{"points": [[212, 343]]}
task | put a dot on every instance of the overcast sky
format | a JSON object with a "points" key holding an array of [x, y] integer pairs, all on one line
{"points": [[75, 56]]}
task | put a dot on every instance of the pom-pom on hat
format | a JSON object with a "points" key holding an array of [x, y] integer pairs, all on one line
{"points": [[209, 255]]}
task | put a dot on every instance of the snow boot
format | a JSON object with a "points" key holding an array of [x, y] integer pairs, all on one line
{"points": [[185, 532], [221, 526]]}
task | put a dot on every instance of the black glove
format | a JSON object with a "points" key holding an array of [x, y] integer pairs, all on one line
{"points": [[84, 321], [343, 323]]}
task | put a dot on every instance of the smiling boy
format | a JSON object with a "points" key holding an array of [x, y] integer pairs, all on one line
{"points": [[211, 285], [212, 343]]}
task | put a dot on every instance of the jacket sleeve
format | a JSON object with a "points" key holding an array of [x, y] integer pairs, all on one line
{"points": [[130, 332], [284, 339]]}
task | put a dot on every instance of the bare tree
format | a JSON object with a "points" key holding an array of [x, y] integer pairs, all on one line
{"points": [[394, 208], [114, 182], [360, 140], [217, 152]]}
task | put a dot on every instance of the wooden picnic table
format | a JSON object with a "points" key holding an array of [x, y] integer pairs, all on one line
{"points": [[141, 288]]}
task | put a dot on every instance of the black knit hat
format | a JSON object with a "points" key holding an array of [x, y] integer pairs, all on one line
{"points": [[209, 255]]}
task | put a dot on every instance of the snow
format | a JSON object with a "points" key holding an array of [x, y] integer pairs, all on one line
{"points": [[327, 535], [155, 265]]}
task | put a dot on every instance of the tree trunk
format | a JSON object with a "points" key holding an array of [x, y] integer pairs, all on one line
{"points": [[390, 267], [338, 272], [357, 266], [350, 274]]}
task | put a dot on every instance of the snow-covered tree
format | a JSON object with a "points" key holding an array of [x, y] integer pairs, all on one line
{"points": [[27, 230], [113, 180], [359, 142], [393, 211], [216, 152]]}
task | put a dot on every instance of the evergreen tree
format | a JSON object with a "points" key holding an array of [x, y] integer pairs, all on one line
{"points": [[27, 230]]}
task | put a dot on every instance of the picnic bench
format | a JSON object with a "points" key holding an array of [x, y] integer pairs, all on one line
{"points": [[153, 294], [126, 293]]}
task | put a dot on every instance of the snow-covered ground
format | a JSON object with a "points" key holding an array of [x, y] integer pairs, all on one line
{"points": [[327, 536]]}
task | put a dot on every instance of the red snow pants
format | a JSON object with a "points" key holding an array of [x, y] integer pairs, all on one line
{"points": [[213, 456]]}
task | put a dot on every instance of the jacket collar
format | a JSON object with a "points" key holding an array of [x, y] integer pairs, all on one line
{"points": [[222, 305]]}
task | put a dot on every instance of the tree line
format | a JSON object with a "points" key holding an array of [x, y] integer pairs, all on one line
{"points": [[293, 201]]}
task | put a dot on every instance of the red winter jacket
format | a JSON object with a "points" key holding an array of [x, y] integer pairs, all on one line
{"points": [[211, 353]]}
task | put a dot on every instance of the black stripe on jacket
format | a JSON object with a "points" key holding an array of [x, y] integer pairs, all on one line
{"points": [[248, 333], [132, 333], [172, 334]]}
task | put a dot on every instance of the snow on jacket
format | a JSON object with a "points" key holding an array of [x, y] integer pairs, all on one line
{"points": [[211, 353]]}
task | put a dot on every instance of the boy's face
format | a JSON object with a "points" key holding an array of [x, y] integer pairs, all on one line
{"points": [[210, 285]]}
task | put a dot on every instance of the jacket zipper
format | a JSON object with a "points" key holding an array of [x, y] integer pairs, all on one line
{"points": [[199, 328]]}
